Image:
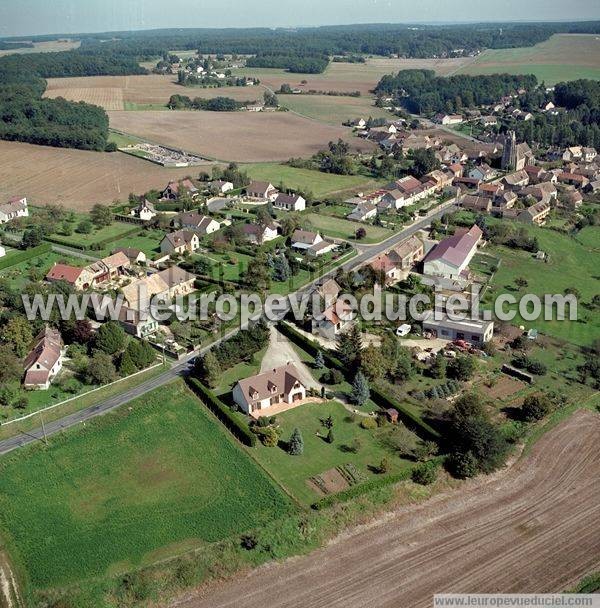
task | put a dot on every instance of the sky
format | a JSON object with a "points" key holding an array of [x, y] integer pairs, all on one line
{"points": [[22, 17]]}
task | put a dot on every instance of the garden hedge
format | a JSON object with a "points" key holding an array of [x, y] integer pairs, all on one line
{"points": [[24, 256]]}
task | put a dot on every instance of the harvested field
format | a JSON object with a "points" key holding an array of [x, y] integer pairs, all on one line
{"points": [[504, 387], [238, 136], [533, 528], [51, 46], [561, 57], [77, 178], [350, 76], [150, 89]]}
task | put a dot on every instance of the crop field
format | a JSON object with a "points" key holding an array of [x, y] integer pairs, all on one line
{"points": [[235, 136], [349, 76], [50, 46], [307, 180], [344, 229], [76, 178], [561, 57], [108, 497], [570, 264], [332, 109], [136, 92]]}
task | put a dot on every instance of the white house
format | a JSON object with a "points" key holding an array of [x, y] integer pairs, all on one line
{"points": [[362, 212], [258, 234], [44, 361], [448, 119], [450, 257], [14, 208], [277, 386], [180, 241], [262, 190], [289, 202], [2, 251], [220, 186], [144, 211], [202, 225], [303, 239], [475, 331]]}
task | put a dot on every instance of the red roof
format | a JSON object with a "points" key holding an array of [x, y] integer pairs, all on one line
{"points": [[64, 272]]}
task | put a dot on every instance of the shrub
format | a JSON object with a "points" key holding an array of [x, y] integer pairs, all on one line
{"points": [[368, 423], [536, 407], [425, 473]]}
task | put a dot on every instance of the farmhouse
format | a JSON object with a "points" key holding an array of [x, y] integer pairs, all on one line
{"points": [[166, 284], [289, 202], [176, 189], [448, 119], [536, 214], [180, 241], [450, 258], [475, 331], [144, 211], [202, 225], [258, 234], [14, 208], [44, 361], [262, 191], [303, 239], [277, 386]]}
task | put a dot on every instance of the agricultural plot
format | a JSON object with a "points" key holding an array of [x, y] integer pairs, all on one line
{"points": [[344, 229], [235, 136], [76, 179], [50, 46], [561, 57], [106, 498], [137, 92], [333, 110]]}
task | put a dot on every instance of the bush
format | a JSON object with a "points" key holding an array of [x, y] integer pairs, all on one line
{"points": [[425, 473], [536, 407], [368, 423], [332, 376]]}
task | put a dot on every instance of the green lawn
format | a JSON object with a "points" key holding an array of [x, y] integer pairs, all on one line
{"points": [[114, 231], [319, 456], [122, 140], [319, 183], [589, 237], [570, 264], [38, 267], [147, 241], [344, 229], [108, 497]]}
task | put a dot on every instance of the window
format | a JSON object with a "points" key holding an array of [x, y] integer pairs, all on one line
{"points": [[445, 332]]}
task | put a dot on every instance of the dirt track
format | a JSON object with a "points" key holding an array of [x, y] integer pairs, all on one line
{"points": [[535, 528]]}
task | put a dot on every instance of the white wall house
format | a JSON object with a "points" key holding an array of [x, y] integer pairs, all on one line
{"points": [[14, 208], [450, 258]]}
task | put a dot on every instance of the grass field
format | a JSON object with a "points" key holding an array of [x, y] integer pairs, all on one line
{"points": [[39, 266], [570, 264], [77, 179], [319, 456], [320, 184], [344, 229], [238, 136], [50, 46], [561, 57], [108, 497], [333, 110]]}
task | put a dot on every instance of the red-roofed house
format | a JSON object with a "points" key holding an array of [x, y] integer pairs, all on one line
{"points": [[69, 274], [450, 257], [333, 320]]}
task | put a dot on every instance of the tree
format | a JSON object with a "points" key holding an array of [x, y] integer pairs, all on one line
{"points": [[360, 389], [360, 234], [330, 438], [328, 422], [10, 366], [82, 332], [521, 282], [18, 335], [270, 99], [296, 443], [101, 369], [101, 216], [438, 367], [373, 363], [536, 407], [85, 227], [462, 368], [319, 360], [384, 466], [281, 268], [110, 338], [257, 274], [425, 473], [404, 369], [424, 161], [126, 364], [211, 369], [32, 237], [349, 347], [425, 450], [464, 465]]}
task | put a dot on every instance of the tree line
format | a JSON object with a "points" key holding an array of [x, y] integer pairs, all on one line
{"points": [[297, 62], [217, 104]]}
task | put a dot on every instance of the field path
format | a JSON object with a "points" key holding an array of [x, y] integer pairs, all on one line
{"points": [[532, 528]]}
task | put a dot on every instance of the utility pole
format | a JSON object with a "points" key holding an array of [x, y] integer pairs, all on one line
{"points": [[44, 428]]}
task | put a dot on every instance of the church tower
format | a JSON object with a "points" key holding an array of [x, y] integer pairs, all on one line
{"points": [[509, 154]]}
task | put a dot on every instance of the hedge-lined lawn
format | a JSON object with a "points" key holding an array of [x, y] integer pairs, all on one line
{"points": [[319, 183], [345, 229], [103, 498], [113, 232], [570, 264], [319, 456], [39, 266], [147, 241]]}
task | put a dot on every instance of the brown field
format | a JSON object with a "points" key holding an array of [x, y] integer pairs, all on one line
{"points": [[237, 136], [77, 178], [351, 76], [504, 387], [52, 46], [532, 528], [108, 91]]}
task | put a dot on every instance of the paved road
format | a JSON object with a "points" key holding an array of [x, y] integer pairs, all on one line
{"points": [[179, 368]]}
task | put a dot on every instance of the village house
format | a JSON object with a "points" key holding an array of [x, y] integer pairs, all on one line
{"points": [[474, 331], [518, 179], [176, 189], [573, 179], [456, 169], [261, 191], [450, 257], [289, 202], [362, 212], [482, 172], [504, 200], [179, 242], [166, 285], [321, 248], [393, 199], [335, 319], [478, 204], [536, 214], [69, 274], [219, 186], [535, 173], [135, 256], [388, 269], [448, 119], [303, 239], [44, 361], [202, 225], [491, 190], [407, 253], [573, 199], [441, 179], [259, 233], [145, 211], [572, 153], [15, 207], [101, 271], [413, 189], [544, 192], [277, 386], [488, 121]]}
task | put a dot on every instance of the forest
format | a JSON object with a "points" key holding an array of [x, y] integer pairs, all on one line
{"points": [[296, 62], [422, 92], [216, 104]]}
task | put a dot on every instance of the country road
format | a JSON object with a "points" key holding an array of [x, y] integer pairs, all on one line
{"points": [[532, 528], [179, 368]]}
